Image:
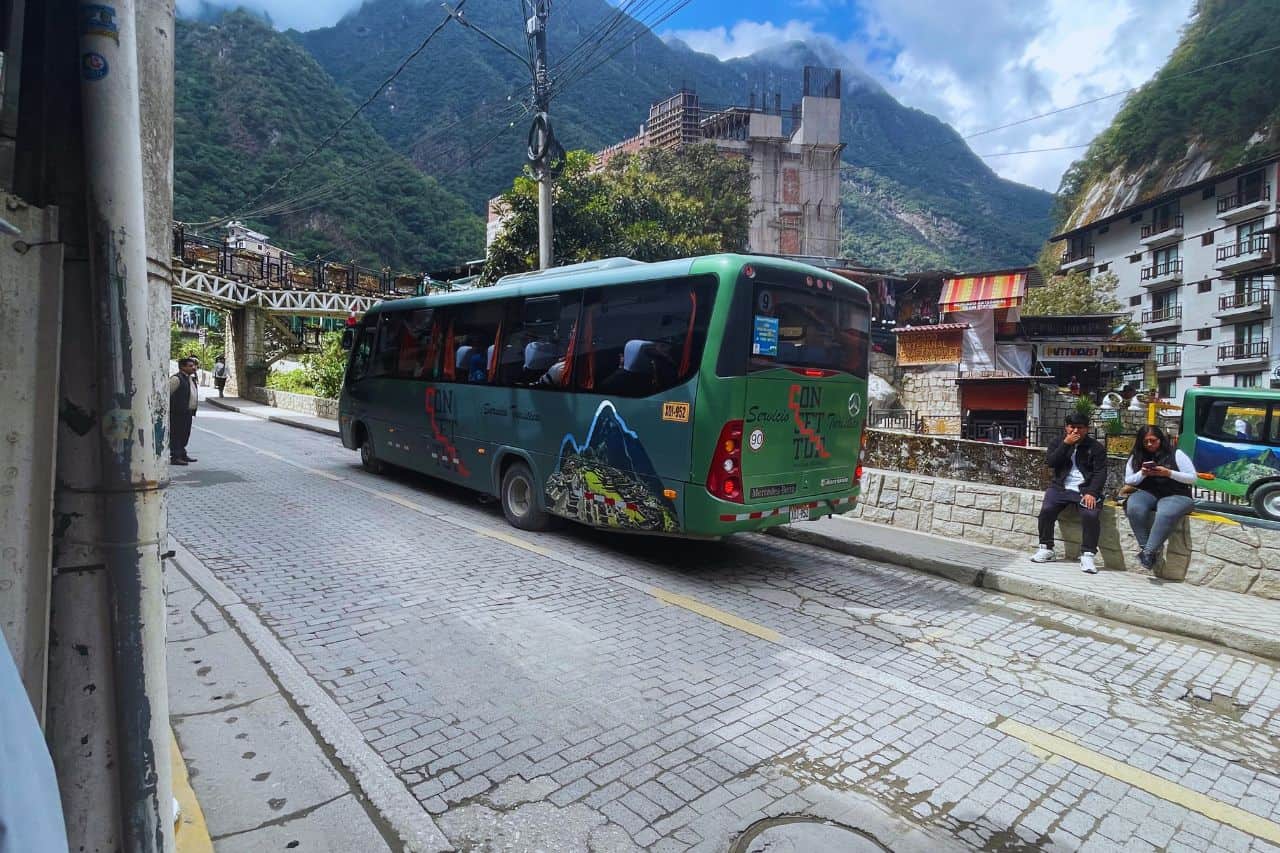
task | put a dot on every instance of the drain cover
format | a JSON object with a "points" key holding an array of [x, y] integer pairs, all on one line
{"points": [[805, 835]]}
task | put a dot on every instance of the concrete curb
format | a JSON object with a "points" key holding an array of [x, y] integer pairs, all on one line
{"points": [[231, 407], [998, 580]]}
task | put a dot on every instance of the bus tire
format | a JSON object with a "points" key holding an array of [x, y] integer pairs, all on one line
{"points": [[519, 497], [368, 457], [1266, 501]]}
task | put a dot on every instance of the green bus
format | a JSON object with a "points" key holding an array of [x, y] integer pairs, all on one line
{"points": [[1232, 436], [696, 397]]}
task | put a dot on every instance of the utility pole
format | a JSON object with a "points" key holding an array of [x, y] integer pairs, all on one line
{"points": [[542, 142]]}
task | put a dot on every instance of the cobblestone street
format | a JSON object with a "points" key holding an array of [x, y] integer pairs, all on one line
{"points": [[578, 690]]}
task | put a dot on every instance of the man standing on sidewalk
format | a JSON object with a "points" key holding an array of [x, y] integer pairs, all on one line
{"points": [[1079, 463], [184, 397]]}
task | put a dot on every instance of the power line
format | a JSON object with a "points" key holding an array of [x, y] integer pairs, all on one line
{"points": [[1035, 150]]}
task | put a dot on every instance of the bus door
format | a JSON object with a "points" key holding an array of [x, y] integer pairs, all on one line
{"points": [[805, 391]]}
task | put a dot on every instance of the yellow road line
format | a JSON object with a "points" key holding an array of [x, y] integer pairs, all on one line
{"points": [[721, 616], [1216, 519], [503, 536], [1164, 789], [191, 834]]}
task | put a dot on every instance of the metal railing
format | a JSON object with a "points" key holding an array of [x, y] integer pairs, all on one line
{"points": [[1169, 359], [1173, 267], [1080, 254], [1240, 199], [1244, 299], [1162, 226], [1236, 352], [1248, 246], [898, 420], [1172, 313]]}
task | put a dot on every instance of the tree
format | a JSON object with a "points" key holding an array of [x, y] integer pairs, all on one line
{"points": [[1077, 293], [650, 206]]}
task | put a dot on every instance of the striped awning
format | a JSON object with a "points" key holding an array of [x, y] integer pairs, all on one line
{"points": [[983, 291]]}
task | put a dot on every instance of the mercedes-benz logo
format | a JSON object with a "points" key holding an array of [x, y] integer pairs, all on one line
{"points": [[855, 404]]}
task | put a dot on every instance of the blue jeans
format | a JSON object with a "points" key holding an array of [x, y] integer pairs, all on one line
{"points": [[1153, 519]]}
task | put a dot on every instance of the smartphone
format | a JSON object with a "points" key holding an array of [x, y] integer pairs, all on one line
{"points": [[1147, 466]]}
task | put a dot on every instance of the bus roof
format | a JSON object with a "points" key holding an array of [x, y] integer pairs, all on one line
{"points": [[603, 273], [1239, 393]]}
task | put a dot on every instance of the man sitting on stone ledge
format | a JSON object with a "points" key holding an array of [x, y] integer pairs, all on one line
{"points": [[1079, 464]]}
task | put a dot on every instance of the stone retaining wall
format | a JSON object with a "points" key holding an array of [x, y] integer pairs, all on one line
{"points": [[1219, 555], [320, 407]]}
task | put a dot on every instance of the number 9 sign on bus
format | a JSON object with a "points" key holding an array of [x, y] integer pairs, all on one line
{"points": [[619, 394]]}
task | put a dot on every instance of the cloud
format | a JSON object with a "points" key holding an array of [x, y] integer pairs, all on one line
{"points": [[284, 14], [987, 62]]}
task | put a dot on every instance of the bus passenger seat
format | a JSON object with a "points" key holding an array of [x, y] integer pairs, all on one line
{"points": [[462, 362], [538, 356]]}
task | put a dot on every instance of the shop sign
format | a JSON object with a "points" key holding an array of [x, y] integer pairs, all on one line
{"points": [[930, 347], [1116, 353]]}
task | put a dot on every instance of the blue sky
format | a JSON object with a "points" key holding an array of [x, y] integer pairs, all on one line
{"points": [[975, 64]]}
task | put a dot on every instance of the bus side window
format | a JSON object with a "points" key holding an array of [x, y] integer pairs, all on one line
{"points": [[475, 329], [1275, 424], [537, 340], [361, 353], [645, 338], [1233, 420], [388, 349], [415, 345]]}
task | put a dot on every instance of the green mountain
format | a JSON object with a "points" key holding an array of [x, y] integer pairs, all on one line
{"points": [[249, 103], [1187, 123], [915, 195]]}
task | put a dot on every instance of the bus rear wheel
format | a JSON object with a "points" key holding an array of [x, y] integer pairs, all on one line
{"points": [[1266, 501], [368, 458], [519, 498]]}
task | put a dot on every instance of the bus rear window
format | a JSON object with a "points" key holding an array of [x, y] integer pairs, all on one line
{"points": [[815, 329]]}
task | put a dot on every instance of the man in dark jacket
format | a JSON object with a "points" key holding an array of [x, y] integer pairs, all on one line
{"points": [[1079, 464], [184, 397]]}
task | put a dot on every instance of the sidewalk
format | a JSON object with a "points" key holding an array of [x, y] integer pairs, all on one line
{"points": [[261, 777], [325, 426], [1242, 622]]}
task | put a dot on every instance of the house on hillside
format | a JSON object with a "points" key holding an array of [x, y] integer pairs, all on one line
{"points": [[1197, 270]]}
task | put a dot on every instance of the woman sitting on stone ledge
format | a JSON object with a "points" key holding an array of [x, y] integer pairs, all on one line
{"points": [[1162, 478]]}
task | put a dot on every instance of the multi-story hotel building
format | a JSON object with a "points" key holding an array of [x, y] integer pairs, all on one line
{"points": [[1197, 268]]}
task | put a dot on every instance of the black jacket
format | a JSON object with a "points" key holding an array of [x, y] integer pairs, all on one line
{"points": [[1091, 459]]}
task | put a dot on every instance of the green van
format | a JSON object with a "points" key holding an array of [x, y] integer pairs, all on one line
{"points": [[1233, 434]]}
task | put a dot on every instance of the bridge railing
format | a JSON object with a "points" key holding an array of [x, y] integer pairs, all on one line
{"points": [[279, 271]]}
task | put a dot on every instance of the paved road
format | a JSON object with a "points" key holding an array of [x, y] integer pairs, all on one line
{"points": [[580, 691]]}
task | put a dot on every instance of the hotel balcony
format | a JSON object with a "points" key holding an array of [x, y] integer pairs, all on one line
{"points": [[1164, 231], [1244, 205], [1162, 318], [1242, 355], [1242, 254], [1244, 304], [1169, 362], [1078, 260], [1166, 273]]}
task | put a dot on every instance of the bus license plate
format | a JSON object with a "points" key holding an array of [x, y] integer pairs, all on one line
{"points": [[799, 513]]}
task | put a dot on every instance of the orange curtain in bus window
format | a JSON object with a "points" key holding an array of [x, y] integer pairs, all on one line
{"points": [[495, 353], [450, 355], [427, 370], [687, 354]]}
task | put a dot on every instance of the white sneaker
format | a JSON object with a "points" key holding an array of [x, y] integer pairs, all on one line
{"points": [[1087, 565], [1043, 554]]}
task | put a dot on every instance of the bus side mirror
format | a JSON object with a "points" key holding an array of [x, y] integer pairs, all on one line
{"points": [[348, 338]]}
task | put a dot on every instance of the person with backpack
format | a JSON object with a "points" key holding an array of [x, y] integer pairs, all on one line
{"points": [[220, 374]]}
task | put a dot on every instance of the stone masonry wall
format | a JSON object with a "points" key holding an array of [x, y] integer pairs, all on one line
{"points": [[320, 407], [933, 392], [1218, 555]]}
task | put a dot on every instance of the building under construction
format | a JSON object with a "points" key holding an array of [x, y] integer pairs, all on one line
{"points": [[794, 158]]}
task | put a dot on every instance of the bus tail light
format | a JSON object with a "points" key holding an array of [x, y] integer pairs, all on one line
{"points": [[724, 478]]}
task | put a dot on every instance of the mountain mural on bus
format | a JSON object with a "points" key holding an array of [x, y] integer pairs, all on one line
{"points": [[608, 479], [1240, 463]]}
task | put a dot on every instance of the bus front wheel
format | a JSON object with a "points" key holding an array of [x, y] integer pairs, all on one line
{"points": [[368, 458], [1266, 501], [520, 499]]}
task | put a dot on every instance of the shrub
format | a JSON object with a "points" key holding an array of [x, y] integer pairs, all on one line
{"points": [[293, 381], [326, 368]]}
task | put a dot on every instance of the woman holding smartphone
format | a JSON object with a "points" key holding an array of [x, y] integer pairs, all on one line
{"points": [[1163, 478]]}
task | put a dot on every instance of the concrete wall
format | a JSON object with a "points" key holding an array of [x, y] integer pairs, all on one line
{"points": [[320, 407], [1222, 556]]}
